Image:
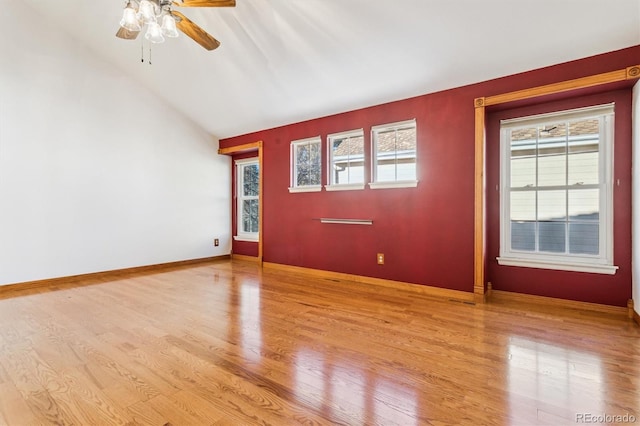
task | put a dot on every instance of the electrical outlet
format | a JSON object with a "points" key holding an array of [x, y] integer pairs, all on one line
{"points": [[380, 257], [216, 242]]}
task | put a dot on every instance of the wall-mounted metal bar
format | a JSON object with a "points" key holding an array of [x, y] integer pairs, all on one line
{"points": [[347, 221]]}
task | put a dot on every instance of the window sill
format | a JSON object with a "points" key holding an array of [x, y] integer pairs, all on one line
{"points": [[310, 188], [593, 268], [344, 187], [394, 184], [245, 238]]}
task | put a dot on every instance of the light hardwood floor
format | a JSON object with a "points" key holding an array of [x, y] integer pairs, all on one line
{"points": [[226, 343]]}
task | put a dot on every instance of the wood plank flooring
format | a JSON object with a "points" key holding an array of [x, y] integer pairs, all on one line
{"points": [[226, 343]]}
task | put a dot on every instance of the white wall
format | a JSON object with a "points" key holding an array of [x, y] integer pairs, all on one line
{"points": [[96, 173], [635, 234]]}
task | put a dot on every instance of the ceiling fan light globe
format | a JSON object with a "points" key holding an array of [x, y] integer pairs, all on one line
{"points": [[147, 12], [129, 19], [154, 33], [169, 26]]}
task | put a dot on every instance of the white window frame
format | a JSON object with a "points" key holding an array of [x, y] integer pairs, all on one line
{"points": [[601, 263], [375, 130], [240, 198], [294, 169], [331, 186]]}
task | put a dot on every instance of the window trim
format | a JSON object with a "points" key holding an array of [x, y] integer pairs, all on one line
{"points": [[330, 186], [241, 235], [408, 183], [602, 263], [294, 188]]}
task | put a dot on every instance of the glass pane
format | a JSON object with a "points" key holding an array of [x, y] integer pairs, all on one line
{"points": [[552, 150], [523, 206], [385, 172], [523, 141], [386, 143], [302, 164], [308, 164], [583, 168], [250, 180], [584, 238], [403, 169], [523, 172], [349, 146], [356, 146], [407, 169], [551, 236], [314, 164], [406, 145], [348, 160], [552, 205], [250, 216], [552, 139], [302, 154], [340, 174], [303, 177], [523, 236], [355, 172], [523, 161], [552, 170], [386, 156], [396, 155], [406, 139], [584, 204], [584, 135]]}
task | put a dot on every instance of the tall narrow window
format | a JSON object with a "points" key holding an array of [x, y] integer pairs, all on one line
{"points": [[248, 199], [557, 190], [394, 155], [306, 160], [346, 160]]}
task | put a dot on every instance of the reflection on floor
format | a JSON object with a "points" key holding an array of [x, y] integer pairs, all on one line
{"points": [[228, 343]]}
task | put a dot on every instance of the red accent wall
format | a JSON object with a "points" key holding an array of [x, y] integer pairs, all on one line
{"points": [[425, 233]]}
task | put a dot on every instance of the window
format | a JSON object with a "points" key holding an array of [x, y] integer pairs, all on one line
{"points": [[248, 199], [306, 160], [346, 160], [394, 155], [557, 192]]}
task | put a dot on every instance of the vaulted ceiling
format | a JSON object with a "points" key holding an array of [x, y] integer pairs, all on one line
{"points": [[284, 61]]}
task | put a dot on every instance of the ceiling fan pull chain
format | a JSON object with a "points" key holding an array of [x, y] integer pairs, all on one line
{"points": [[149, 54], [141, 51]]}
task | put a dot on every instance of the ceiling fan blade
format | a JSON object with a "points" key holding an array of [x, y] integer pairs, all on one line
{"points": [[196, 33], [206, 3], [127, 34]]}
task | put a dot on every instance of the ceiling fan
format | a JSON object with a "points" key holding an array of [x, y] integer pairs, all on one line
{"points": [[162, 21]]}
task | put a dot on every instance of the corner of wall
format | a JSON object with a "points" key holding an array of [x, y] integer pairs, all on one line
{"points": [[635, 234]]}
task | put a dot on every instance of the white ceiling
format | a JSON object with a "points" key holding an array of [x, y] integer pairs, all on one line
{"points": [[284, 61]]}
